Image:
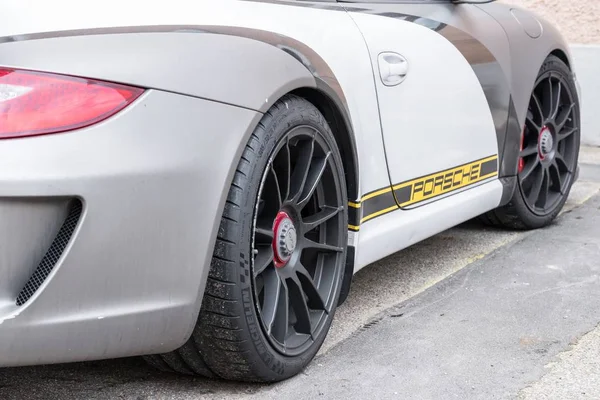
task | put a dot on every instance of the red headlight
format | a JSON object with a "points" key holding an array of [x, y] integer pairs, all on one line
{"points": [[36, 103]]}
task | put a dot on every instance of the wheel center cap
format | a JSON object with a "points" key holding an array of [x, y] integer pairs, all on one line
{"points": [[284, 239], [546, 142]]}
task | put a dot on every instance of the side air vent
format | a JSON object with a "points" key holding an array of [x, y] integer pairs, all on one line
{"points": [[53, 254]]}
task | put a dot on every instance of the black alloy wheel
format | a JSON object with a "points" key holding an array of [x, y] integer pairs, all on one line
{"points": [[549, 145], [549, 152], [297, 242]]}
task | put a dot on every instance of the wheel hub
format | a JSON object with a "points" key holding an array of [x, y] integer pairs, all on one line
{"points": [[285, 239], [545, 142]]}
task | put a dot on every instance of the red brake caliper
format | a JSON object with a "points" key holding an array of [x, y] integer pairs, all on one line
{"points": [[521, 161]]}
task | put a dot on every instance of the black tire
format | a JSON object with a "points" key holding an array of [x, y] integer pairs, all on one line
{"points": [[231, 339], [553, 112]]}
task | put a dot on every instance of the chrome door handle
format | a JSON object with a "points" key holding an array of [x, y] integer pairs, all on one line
{"points": [[393, 68]]}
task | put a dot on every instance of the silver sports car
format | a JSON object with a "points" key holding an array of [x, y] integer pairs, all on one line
{"points": [[198, 181]]}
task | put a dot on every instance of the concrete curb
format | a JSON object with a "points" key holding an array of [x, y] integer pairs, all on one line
{"points": [[586, 60]]}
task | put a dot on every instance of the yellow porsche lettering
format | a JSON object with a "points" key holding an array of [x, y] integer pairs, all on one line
{"points": [[438, 186], [443, 182], [417, 189], [448, 180], [475, 172], [428, 191], [456, 182], [428, 187]]}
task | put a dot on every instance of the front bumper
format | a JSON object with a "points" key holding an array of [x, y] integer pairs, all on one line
{"points": [[152, 181]]}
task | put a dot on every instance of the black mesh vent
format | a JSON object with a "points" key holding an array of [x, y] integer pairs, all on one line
{"points": [[53, 254]]}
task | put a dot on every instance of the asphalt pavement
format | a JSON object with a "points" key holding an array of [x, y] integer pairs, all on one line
{"points": [[473, 312]]}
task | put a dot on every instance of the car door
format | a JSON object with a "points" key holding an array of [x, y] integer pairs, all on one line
{"points": [[443, 97]]}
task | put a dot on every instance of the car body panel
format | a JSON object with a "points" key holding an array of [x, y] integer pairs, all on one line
{"points": [[527, 55], [270, 23], [382, 236], [153, 179], [135, 268], [274, 72], [420, 141]]}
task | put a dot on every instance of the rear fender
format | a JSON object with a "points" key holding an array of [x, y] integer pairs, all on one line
{"points": [[255, 73]]}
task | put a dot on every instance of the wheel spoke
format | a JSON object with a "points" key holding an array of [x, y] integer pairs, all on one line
{"points": [[268, 206], [548, 97], [263, 259], [535, 127], [315, 301], [538, 108], [301, 169], [298, 303], [528, 151], [559, 159], [565, 133], [563, 116], [275, 310], [263, 236], [556, 180], [311, 222], [545, 188], [529, 168], [321, 247], [536, 188], [556, 99], [312, 180], [283, 164], [274, 175]]}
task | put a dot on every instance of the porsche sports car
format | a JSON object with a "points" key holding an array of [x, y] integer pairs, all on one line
{"points": [[198, 181]]}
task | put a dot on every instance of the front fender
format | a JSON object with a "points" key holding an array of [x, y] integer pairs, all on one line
{"points": [[531, 39]]}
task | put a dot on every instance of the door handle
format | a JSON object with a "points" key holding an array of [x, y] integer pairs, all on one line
{"points": [[393, 68]]}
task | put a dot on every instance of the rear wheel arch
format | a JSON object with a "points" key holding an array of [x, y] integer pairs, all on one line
{"points": [[562, 56], [340, 125]]}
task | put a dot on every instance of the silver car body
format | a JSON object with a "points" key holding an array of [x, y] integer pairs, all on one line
{"points": [[130, 265]]}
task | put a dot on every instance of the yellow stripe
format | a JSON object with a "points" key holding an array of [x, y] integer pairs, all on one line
{"points": [[419, 186], [440, 183], [377, 193], [495, 173], [378, 213], [411, 182], [490, 158]]}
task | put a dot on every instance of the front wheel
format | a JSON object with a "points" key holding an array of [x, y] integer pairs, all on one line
{"points": [[549, 151], [277, 268]]}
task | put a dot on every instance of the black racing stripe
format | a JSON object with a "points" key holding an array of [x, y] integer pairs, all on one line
{"points": [[354, 215], [489, 167], [388, 201], [378, 203], [403, 194]]}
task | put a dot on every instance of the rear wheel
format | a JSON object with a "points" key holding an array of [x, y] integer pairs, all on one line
{"points": [[277, 267], [549, 151]]}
